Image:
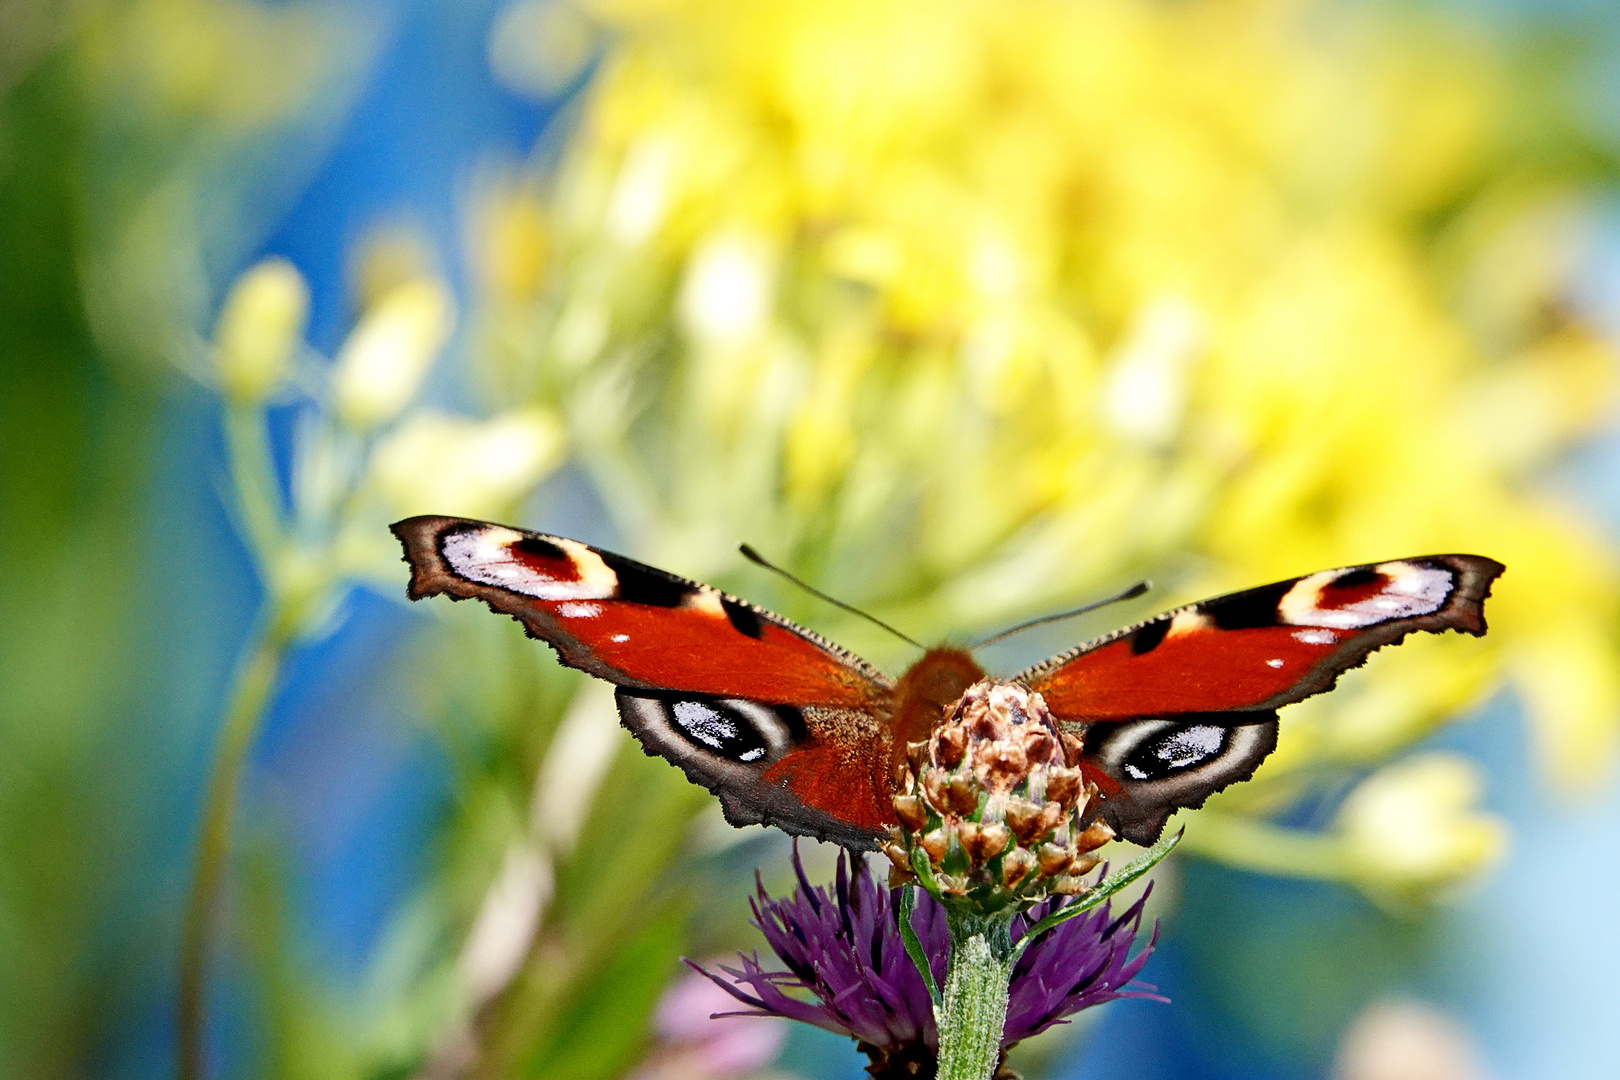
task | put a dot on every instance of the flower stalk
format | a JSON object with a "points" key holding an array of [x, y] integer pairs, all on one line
{"points": [[253, 480], [973, 1015], [360, 460], [249, 696]]}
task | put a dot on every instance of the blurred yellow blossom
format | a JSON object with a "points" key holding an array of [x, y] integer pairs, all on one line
{"points": [[537, 47], [1415, 827], [260, 328], [512, 244], [982, 308], [238, 63], [387, 354], [441, 464]]}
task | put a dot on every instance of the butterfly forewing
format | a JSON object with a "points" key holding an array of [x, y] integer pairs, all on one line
{"points": [[1263, 648], [629, 623]]}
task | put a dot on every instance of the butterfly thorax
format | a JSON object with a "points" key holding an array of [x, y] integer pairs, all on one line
{"points": [[926, 692]]}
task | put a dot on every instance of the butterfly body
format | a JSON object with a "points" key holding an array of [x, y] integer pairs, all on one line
{"points": [[788, 729]]}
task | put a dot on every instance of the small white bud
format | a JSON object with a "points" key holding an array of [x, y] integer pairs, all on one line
{"points": [[1146, 389], [728, 291], [387, 355], [259, 329], [435, 463], [1395, 1039]]}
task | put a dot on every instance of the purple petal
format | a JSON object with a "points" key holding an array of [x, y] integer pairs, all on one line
{"points": [[849, 972]]}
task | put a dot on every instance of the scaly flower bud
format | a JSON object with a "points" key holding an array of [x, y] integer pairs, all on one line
{"points": [[388, 353], [259, 330], [993, 805]]}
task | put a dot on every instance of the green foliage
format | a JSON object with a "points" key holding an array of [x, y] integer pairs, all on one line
{"points": [[601, 1033], [74, 453]]}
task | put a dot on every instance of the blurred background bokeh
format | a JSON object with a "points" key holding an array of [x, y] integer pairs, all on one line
{"points": [[966, 312]]}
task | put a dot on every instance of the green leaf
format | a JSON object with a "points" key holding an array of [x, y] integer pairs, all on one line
{"points": [[914, 949], [602, 1032], [1105, 888]]}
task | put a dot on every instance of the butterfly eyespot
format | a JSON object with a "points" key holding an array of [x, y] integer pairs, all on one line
{"points": [[746, 732], [1175, 750], [725, 731]]}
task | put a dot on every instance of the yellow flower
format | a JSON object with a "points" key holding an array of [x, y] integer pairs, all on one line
{"points": [[976, 310], [434, 463], [386, 356], [1414, 828], [260, 328]]}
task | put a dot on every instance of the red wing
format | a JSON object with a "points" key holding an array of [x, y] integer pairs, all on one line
{"points": [[1266, 647], [785, 727], [629, 623]]}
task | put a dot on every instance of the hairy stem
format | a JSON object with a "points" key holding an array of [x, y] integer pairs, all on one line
{"points": [[973, 1015]]}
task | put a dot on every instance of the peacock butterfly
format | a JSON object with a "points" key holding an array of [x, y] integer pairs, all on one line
{"points": [[790, 730]]}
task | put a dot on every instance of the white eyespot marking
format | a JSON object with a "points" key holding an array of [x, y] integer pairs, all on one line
{"points": [[1189, 621], [1315, 637], [752, 755], [1274, 663], [704, 724], [1175, 750], [620, 638], [574, 610], [1189, 745], [1407, 592], [485, 556], [703, 599]]}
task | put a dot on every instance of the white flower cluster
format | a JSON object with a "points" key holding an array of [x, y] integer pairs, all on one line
{"points": [[364, 453]]}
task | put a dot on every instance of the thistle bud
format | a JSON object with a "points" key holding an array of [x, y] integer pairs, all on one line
{"points": [[993, 804], [911, 811]]}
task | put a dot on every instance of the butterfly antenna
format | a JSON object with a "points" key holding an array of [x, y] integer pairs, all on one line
{"points": [[1134, 591], [755, 557]]}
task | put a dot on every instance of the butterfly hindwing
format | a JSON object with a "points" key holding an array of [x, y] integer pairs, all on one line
{"points": [[1154, 767], [785, 727], [812, 771]]}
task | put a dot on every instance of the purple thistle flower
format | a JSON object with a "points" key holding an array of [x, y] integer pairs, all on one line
{"points": [[844, 949]]}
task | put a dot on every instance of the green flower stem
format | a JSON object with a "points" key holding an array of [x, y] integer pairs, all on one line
{"points": [[1258, 845], [974, 1014], [254, 486], [251, 693], [253, 480]]}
